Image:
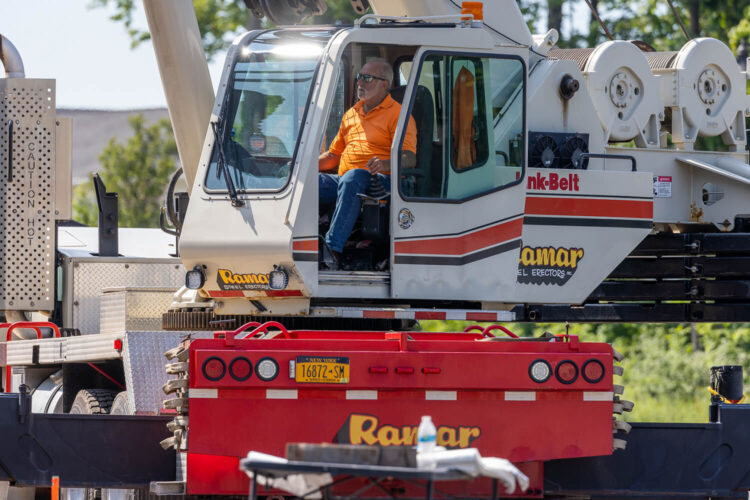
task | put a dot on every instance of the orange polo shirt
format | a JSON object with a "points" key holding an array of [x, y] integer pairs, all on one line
{"points": [[364, 135]]}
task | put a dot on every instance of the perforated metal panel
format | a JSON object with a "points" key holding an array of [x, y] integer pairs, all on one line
{"points": [[27, 203]]}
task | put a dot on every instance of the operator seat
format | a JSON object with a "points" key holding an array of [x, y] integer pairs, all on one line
{"points": [[418, 181]]}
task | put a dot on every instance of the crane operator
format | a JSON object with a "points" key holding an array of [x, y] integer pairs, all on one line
{"points": [[362, 148]]}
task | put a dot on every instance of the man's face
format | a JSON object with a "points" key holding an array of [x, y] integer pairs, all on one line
{"points": [[374, 92]]}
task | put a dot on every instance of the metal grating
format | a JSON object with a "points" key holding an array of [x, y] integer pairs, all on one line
{"points": [[27, 203]]}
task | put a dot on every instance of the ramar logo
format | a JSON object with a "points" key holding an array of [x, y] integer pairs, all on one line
{"points": [[548, 265], [230, 281], [366, 429]]}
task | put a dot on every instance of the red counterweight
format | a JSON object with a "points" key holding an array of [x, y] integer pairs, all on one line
{"points": [[524, 399]]}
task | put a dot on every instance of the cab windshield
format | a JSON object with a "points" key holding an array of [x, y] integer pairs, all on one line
{"points": [[260, 121]]}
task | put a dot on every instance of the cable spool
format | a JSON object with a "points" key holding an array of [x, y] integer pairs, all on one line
{"points": [[581, 56], [660, 60], [706, 92], [625, 93]]}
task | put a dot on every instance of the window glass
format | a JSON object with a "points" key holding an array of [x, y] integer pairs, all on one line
{"points": [[261, 118], [337, 111], [402, 75], [469, 113]]}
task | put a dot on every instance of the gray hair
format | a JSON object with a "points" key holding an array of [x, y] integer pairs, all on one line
{"points": [[386, 71]]}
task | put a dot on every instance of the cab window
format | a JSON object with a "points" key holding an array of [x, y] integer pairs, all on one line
{"points": [[469, 112]]}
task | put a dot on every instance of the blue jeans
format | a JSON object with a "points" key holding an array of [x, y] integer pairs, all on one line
{"points": [[343, 190]]}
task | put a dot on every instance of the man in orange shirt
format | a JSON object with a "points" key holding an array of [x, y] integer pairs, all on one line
{"points": [[363, 148]]}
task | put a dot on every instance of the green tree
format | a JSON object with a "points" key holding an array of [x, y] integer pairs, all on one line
{"points": [[654, 22], [219, 21], [137, 170]]}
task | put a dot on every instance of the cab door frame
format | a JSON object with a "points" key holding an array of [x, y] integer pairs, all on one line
{"points": [[463, 249]]}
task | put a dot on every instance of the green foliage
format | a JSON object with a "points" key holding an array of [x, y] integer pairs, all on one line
{"points": [[137, 170], [85, 209], [666, 373], [653, 21], [740, 32], [219, 21]]}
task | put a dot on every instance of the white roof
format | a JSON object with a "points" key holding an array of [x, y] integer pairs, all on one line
{"points": [[149, 243]]}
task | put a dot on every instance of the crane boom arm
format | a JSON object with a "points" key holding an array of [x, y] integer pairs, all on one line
{"points": [[184, 76]]}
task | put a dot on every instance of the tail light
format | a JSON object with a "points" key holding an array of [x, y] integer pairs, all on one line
{"points": [[214, 368], [566, 372], [240, 369], [593, 371], [267, 369], [540, 371]]}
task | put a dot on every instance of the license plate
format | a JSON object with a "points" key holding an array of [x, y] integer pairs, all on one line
{"points": [[322, 370]]}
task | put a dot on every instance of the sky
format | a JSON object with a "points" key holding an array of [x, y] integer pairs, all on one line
{"points": [[88, 54]]}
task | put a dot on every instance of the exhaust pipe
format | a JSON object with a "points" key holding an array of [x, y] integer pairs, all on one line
{"points": [[11, 59]]}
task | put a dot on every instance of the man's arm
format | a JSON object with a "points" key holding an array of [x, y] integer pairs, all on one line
{"points": [[408, 159], [328, 161], [378, 166]]}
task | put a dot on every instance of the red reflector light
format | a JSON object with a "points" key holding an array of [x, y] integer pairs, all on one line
{"points": [[378, 369], [240, 369], [431, 371], [118, 345], [566, 372], [593, 371], [405, 370], [214, 368]]}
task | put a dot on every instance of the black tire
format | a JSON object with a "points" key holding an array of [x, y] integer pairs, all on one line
{"points": [[120, 404], [93, 402]]}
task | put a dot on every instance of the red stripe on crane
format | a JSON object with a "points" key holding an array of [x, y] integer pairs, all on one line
{"points": [[462, 245], [305, 245], [632, 209]]}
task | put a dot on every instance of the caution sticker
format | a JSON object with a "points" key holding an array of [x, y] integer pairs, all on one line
{"points": [[662, 186]]}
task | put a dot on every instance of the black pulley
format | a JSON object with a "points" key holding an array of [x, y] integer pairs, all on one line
{"points": [[568, 86], [727, 381]]}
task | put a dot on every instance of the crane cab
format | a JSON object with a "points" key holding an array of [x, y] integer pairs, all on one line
{"points": [[451, 228]]}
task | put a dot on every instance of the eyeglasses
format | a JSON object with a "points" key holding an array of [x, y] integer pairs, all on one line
{"points": [[368, 78]]}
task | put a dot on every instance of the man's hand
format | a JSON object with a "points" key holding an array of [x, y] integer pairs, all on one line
{"points": [[328, 161], [378, 166]]}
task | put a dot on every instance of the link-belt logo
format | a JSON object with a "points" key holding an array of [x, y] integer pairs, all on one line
{"points": [[553, 182], [275, 280], [366, 429], [548, 265]]}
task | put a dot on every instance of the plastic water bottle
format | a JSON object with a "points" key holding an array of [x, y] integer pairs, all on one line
{"points": [[426, 435]]}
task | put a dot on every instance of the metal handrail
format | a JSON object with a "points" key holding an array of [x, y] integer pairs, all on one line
{"points": [[37, 326], [583, 156]]}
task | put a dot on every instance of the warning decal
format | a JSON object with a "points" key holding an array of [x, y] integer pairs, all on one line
{"points": [[662, 186]]}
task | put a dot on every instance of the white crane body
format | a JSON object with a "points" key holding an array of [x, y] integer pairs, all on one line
{"points": [[543, 177]]}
